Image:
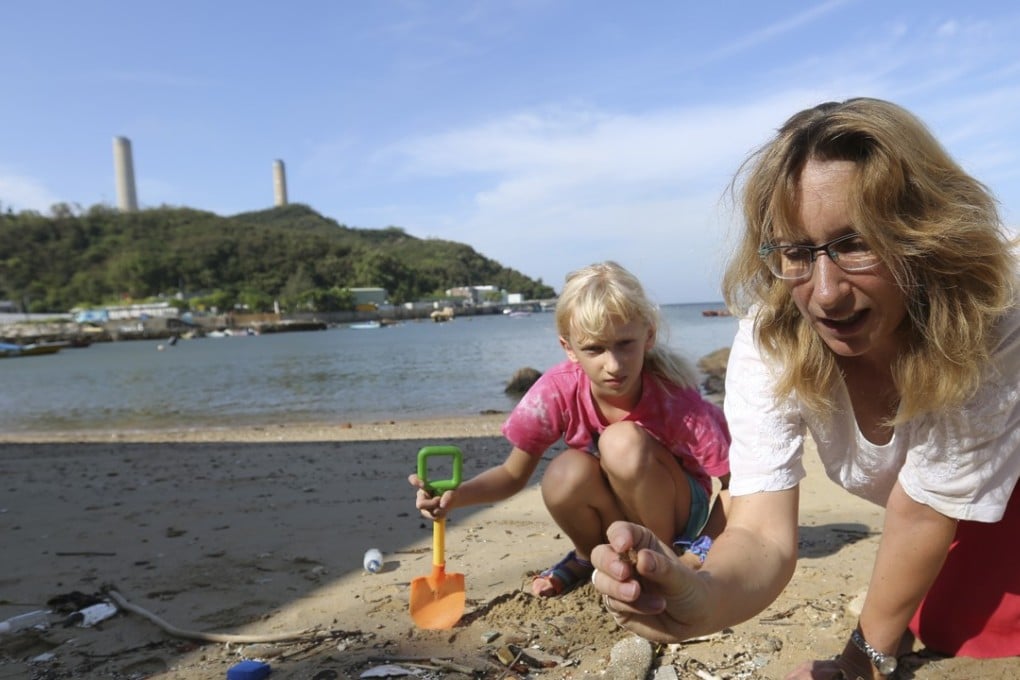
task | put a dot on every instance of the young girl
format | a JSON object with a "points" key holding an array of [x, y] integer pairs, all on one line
{"points": [[643, 444]]}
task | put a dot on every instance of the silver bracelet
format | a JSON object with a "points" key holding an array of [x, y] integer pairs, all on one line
{"points": [[885, 663]]}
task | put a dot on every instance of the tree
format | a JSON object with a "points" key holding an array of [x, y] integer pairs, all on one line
{"points": [[99, 254]]}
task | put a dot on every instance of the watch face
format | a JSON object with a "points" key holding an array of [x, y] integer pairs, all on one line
{"points": [[887, 666]]}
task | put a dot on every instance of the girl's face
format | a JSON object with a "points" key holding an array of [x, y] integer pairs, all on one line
{"points": [[613, 362], [855, 314]]}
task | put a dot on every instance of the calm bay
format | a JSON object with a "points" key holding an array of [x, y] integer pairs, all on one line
{"points": [[413, 370]]}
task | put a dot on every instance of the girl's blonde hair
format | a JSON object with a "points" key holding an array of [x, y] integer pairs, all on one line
{"points": [[604, 294], [936, 228]]}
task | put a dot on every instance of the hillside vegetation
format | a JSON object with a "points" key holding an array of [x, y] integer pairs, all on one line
{"points": [[289, 254]]}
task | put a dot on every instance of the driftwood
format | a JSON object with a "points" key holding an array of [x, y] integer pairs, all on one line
{"points": [[170, 629]]}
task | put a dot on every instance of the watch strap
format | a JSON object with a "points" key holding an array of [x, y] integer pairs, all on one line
{"points": [[885, 663]]}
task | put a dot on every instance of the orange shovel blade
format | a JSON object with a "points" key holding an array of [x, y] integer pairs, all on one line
{"points": [[437, 600]]}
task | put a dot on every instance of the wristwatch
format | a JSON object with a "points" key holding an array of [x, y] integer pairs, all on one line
{"points": [[885, 663]]}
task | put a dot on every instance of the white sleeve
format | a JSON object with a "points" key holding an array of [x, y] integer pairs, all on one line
{"points": [[768, 437]]}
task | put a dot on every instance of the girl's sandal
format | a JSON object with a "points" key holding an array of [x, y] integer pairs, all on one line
{"points": [[564, 576]]}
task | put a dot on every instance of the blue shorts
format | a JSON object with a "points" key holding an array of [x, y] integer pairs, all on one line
{"points": [[699, 512]]}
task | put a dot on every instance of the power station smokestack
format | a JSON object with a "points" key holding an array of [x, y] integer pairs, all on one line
{"points": [[279, 184], [124, 169]]}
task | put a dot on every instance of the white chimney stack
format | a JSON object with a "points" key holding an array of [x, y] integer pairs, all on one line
{"points": [[279, 184], [124, 171]]}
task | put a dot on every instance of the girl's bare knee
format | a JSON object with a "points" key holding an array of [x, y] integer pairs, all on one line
{"points": [[626, 451], [571, 472]]}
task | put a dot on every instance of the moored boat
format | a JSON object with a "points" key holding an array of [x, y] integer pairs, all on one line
{"points": [[9, 349]]}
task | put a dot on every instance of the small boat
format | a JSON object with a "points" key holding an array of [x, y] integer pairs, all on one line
{"points": [[365, 325], [441, 315], [9, 349]]}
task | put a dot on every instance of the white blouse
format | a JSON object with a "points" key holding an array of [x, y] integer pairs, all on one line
{"points": [[963, 464]]}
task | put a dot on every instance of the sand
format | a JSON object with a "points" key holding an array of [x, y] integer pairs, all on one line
{"points": [[262, 531]]}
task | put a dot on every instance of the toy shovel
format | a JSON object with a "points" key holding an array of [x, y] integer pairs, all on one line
{"points": [[437, 600]]}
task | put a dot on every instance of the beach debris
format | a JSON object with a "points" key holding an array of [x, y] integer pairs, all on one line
{"points": [[387, 671], [249, 669], [82, 610], [416, 663], [74, 601], [34, 619], [510, 656], [124, 604], [91, 615], [489, 636], [373, 561], [522, 659], [665, 673], [538, 658]]}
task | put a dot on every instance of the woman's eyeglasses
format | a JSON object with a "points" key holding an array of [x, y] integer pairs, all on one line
{"points": [[793, 261]]}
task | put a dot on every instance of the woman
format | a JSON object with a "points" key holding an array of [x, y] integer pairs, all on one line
{"points": [[880, 297]]}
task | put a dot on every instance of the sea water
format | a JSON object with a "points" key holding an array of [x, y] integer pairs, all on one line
{"points": [[416, 369]]}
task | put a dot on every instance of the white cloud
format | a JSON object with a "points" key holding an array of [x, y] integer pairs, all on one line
{"points": [[24, 193], [563, 188]]}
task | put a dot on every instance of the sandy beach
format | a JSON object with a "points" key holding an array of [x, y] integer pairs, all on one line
{"points": [[258, 531]]}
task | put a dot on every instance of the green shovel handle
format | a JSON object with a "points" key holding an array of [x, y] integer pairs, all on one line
{"points": [[435, 487]]}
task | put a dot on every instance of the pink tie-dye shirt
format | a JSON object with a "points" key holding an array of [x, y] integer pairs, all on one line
{"points": [[560, 404]]}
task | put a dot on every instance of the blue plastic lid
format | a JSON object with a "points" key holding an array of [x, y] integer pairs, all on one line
{"points": [[248, 670]]}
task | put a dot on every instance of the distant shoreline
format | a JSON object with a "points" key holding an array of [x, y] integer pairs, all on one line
{"points": [[439, 428]]}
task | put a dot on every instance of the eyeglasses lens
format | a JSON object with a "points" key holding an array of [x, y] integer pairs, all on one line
{"points": [[797, 262]]}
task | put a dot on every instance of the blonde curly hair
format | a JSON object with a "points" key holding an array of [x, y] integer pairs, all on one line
{"points": [[935, 227]]}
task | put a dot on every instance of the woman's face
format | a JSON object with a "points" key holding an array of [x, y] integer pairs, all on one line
{"points": [[855, 314]]}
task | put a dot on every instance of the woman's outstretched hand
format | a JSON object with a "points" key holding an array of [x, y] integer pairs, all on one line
{"points": [[431, 507], [646, 588]]}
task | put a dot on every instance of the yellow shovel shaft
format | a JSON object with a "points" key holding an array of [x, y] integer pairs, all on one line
{"points": [[439, 542]]}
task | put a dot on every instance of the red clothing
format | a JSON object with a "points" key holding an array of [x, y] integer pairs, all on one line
{"points": [[560, 404], [973, 608]]}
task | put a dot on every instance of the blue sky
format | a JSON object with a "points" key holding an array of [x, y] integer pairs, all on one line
{"points": [[545, 134]]}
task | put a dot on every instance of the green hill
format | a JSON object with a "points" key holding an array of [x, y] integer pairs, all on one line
{"points": [[291, 254]]}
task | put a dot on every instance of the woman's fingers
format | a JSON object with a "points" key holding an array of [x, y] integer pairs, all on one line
{"points": [[645, 586]]}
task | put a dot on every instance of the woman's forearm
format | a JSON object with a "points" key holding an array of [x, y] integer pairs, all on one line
{"points": [[915, 542], [744, 574], [751, 561]]}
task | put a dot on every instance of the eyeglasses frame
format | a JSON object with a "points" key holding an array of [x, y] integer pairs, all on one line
{"points": [[768, 248]]}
